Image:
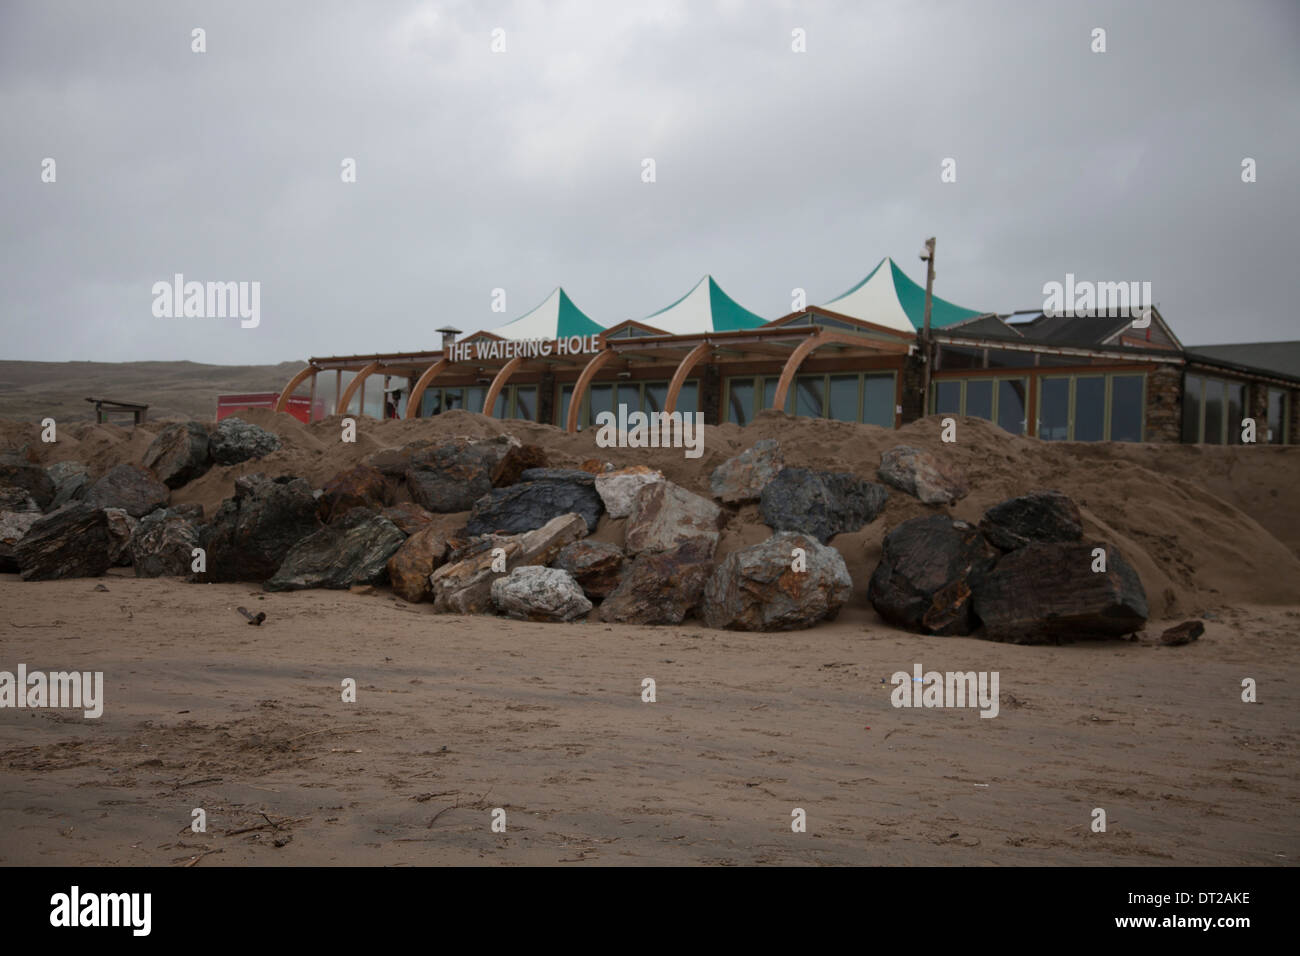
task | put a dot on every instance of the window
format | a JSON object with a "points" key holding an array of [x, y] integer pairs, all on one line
{"points": [[1011, 404], [1127, 407], [1010, 358], [846, 396], [1091, 407], [1278, 416], [1054, 409], [1212, 410], [997, 399], [979, 398], [952, 356], [947, 398], [636, 396], [1193, 390], [1236, 411]]}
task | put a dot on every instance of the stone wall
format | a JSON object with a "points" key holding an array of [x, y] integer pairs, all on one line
{"points": [[1164, 404]]}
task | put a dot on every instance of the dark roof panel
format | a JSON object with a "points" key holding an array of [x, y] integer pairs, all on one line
{"points": [[1280, 357]]}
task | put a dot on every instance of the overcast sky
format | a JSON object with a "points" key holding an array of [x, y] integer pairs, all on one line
{"points": [[522, 169]]}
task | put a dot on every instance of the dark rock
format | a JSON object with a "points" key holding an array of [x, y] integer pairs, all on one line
{"points": [[596, 565], [531, 504], [1181, 634], [120, 528], [758, 588], [744, 477], [533, 593], [661, 587], [451, 475], [359, 487], [665, 516], [71, 479], [252, 532], [419, 556], [234, 441], [179, 453], [16, 470], [576, 475], [1048, 591], [408, 516], [133, 489], [352, 550], [919, 473], [13, 498], [924, 579], [1037, 516], [13, 526], [516, 461], [72, 542], [820, 503], [163, 542]]}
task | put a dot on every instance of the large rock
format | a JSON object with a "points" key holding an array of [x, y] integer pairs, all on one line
{"points": [[533, 593], [120, 528], [577, 475], [744, 477], [531, 504], [618, 489], [359, 487], [352, 550], [446, 476], [820, 503], [464, 584], [71, 480], [1037, 516], [235, 440], [408, 516], [665, 515], [72, 542], [661, 587], [13, 498], [179, 453], [418, 557], [764, 587], [926, 572], [163, 543], [16, 470], [252, 532], [597, 566], [919, 473], [13, 526], [1047, 591], [517, 460], [133, 489]]}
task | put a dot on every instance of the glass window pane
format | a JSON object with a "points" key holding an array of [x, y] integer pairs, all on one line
{"points": [[999, 358], [1054, 409], [1276, 416], [740, 400], [629, 394], [1126, 411], [1193, 386], [688, 398], [951, 356], [1236, 410], [602, 399], [566, 396], [430, 404], [454, 398], [769, 395], [1214, 411], [979, 398], [1090, 409], [844, 398], [1011, 405], [502, 404], [656, 393], [878, 400], [809, 397], [947, 398], [526, 402]]}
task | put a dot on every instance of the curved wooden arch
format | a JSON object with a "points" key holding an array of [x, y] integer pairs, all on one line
{"points": [[417, 393], [691, 360], [346, 398], [499, 382], [282, 402], [598, 361], [807, 346]]}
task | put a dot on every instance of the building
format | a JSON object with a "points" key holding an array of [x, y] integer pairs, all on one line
{"points": [[859, 357]]}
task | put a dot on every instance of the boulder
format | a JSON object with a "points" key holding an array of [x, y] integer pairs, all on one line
{"points": [[408, 516], [71, 479], [179, 453], [926, 476], [531, 504], [618, 489], [358, 487], [13, 525], [924, 579], [72, 542], [517, 460], [534, 593], [120, 528], [1047, 591], [665, 515], [17, 471], [163, 542], [576, 475], [418, 557], [252, 532], [235, 440], [820, 503], [447, 476], [744, 477], [13, 498], [759, 589], [596, 565], [1037, 516], [464, 584], [352, 550], [133, 489], [661, 587]]}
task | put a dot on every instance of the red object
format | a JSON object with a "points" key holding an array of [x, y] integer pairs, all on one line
{"points": [[300, 408]]}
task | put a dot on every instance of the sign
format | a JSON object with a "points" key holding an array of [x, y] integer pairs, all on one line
{"points": [[522, 348]]}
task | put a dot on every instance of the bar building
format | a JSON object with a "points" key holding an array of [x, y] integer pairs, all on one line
{"points": [[859, 357]]}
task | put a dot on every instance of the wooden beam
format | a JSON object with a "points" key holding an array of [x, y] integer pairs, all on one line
{"points": [[684, 369], [597, 362], [282, 402], [499, 383], [417, 393], [346, 398], [805, 348]]}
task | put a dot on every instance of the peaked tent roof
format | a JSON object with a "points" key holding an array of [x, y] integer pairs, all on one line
{"points": [[706, 308], [556, 318], [888, 297]]}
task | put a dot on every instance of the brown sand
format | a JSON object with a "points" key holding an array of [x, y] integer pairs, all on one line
{"points": [[546, 721]]}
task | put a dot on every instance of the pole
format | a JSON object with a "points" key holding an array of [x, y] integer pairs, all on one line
{"points": [[926, 343]]}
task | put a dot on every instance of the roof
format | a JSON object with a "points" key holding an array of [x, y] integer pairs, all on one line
{"points": [[1280, 357], [706, 308], [1081, 330], [555, 318], [888, 297]]}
